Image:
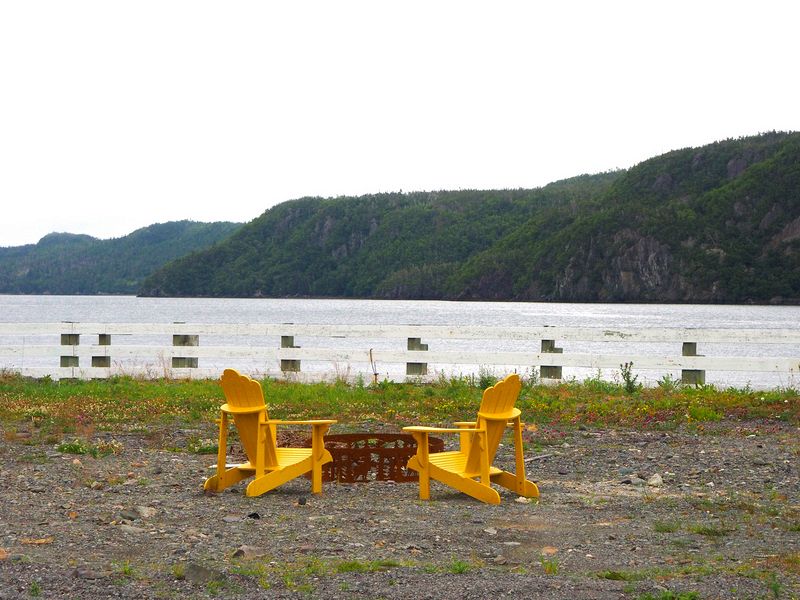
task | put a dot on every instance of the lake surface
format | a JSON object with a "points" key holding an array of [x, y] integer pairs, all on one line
{"points": [[129, 309]]}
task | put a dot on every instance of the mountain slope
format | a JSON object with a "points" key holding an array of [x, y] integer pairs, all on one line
{"points": [[715, 224], [719, 223], [389, 245], [62, 263]]}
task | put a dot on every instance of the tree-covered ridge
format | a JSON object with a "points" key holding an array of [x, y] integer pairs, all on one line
{"points": [[720, 223], [715, 224], [378, 245], [63, 263]]}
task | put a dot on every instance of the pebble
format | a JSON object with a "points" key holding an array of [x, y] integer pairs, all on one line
{"points": [[199, 574], [129, 515], [145, 512], [248, 552], [87, 573], [655, 480]]}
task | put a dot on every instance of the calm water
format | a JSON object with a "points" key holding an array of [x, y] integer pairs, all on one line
{"points": [[129, 309]]}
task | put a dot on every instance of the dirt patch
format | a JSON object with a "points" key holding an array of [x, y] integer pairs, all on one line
{"points": [[721, 520]]}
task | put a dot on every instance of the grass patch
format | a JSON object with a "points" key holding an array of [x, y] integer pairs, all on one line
{"points": [[621, 575], [670, 595], [459, 567], [125, 403], [712, 531], [550, 566], [370, 566], [197, 445], [97, 450], [666, 526]]}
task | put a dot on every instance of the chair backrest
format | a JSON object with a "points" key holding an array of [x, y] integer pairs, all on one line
{"points": [[497, 407], [243, 393]]}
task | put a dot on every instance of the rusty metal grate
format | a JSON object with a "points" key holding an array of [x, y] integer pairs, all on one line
{"points": [[361, 457]]}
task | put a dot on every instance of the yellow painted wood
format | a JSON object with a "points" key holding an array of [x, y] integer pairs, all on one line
{"points": [[269, 465], [469, 469]]}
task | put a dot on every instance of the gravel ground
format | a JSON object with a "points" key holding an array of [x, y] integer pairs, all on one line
{"points": [[623, 514]]}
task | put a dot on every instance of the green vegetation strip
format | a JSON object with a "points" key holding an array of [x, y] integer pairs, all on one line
{"points": [[129, 403]]}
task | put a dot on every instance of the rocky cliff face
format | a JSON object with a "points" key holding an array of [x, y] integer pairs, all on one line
{"points": [[632, 267]]}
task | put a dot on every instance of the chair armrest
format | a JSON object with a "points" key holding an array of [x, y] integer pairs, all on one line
{"points": [[465, 423], [419, 429], [309, 422], [241, 410]]}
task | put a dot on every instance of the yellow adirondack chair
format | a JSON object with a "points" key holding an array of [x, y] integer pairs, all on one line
{"points": [[478, 446], [272, 466]]}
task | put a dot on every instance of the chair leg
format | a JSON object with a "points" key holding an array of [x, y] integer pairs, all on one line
{"points": [[273, 479], [319, 457], [213, 483], [219, 482], [424, 484], [519, 457], [479, 491], [421, 464], [512, 482]]}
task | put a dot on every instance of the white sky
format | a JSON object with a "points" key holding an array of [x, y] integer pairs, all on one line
{"points": [[117, 115]]}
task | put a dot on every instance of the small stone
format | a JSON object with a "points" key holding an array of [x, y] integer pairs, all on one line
{"points": [[37, 489], [86, 573], [523, 500], [301, 501], [231, 519], [131, 529], [96, 485], [129, 515], [655, 480], [248, 552], [500, 560], [145, 512], [490, 531], [199, 574]]}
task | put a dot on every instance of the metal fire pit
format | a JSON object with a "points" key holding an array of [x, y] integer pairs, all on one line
{"points": [[361, 457]]}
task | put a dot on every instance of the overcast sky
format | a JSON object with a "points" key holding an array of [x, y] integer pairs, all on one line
{"points": [[117, 115]]}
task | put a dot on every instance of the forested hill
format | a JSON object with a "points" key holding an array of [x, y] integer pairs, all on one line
{"points": [[63, 263], [720, 223], [385, 245]]}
